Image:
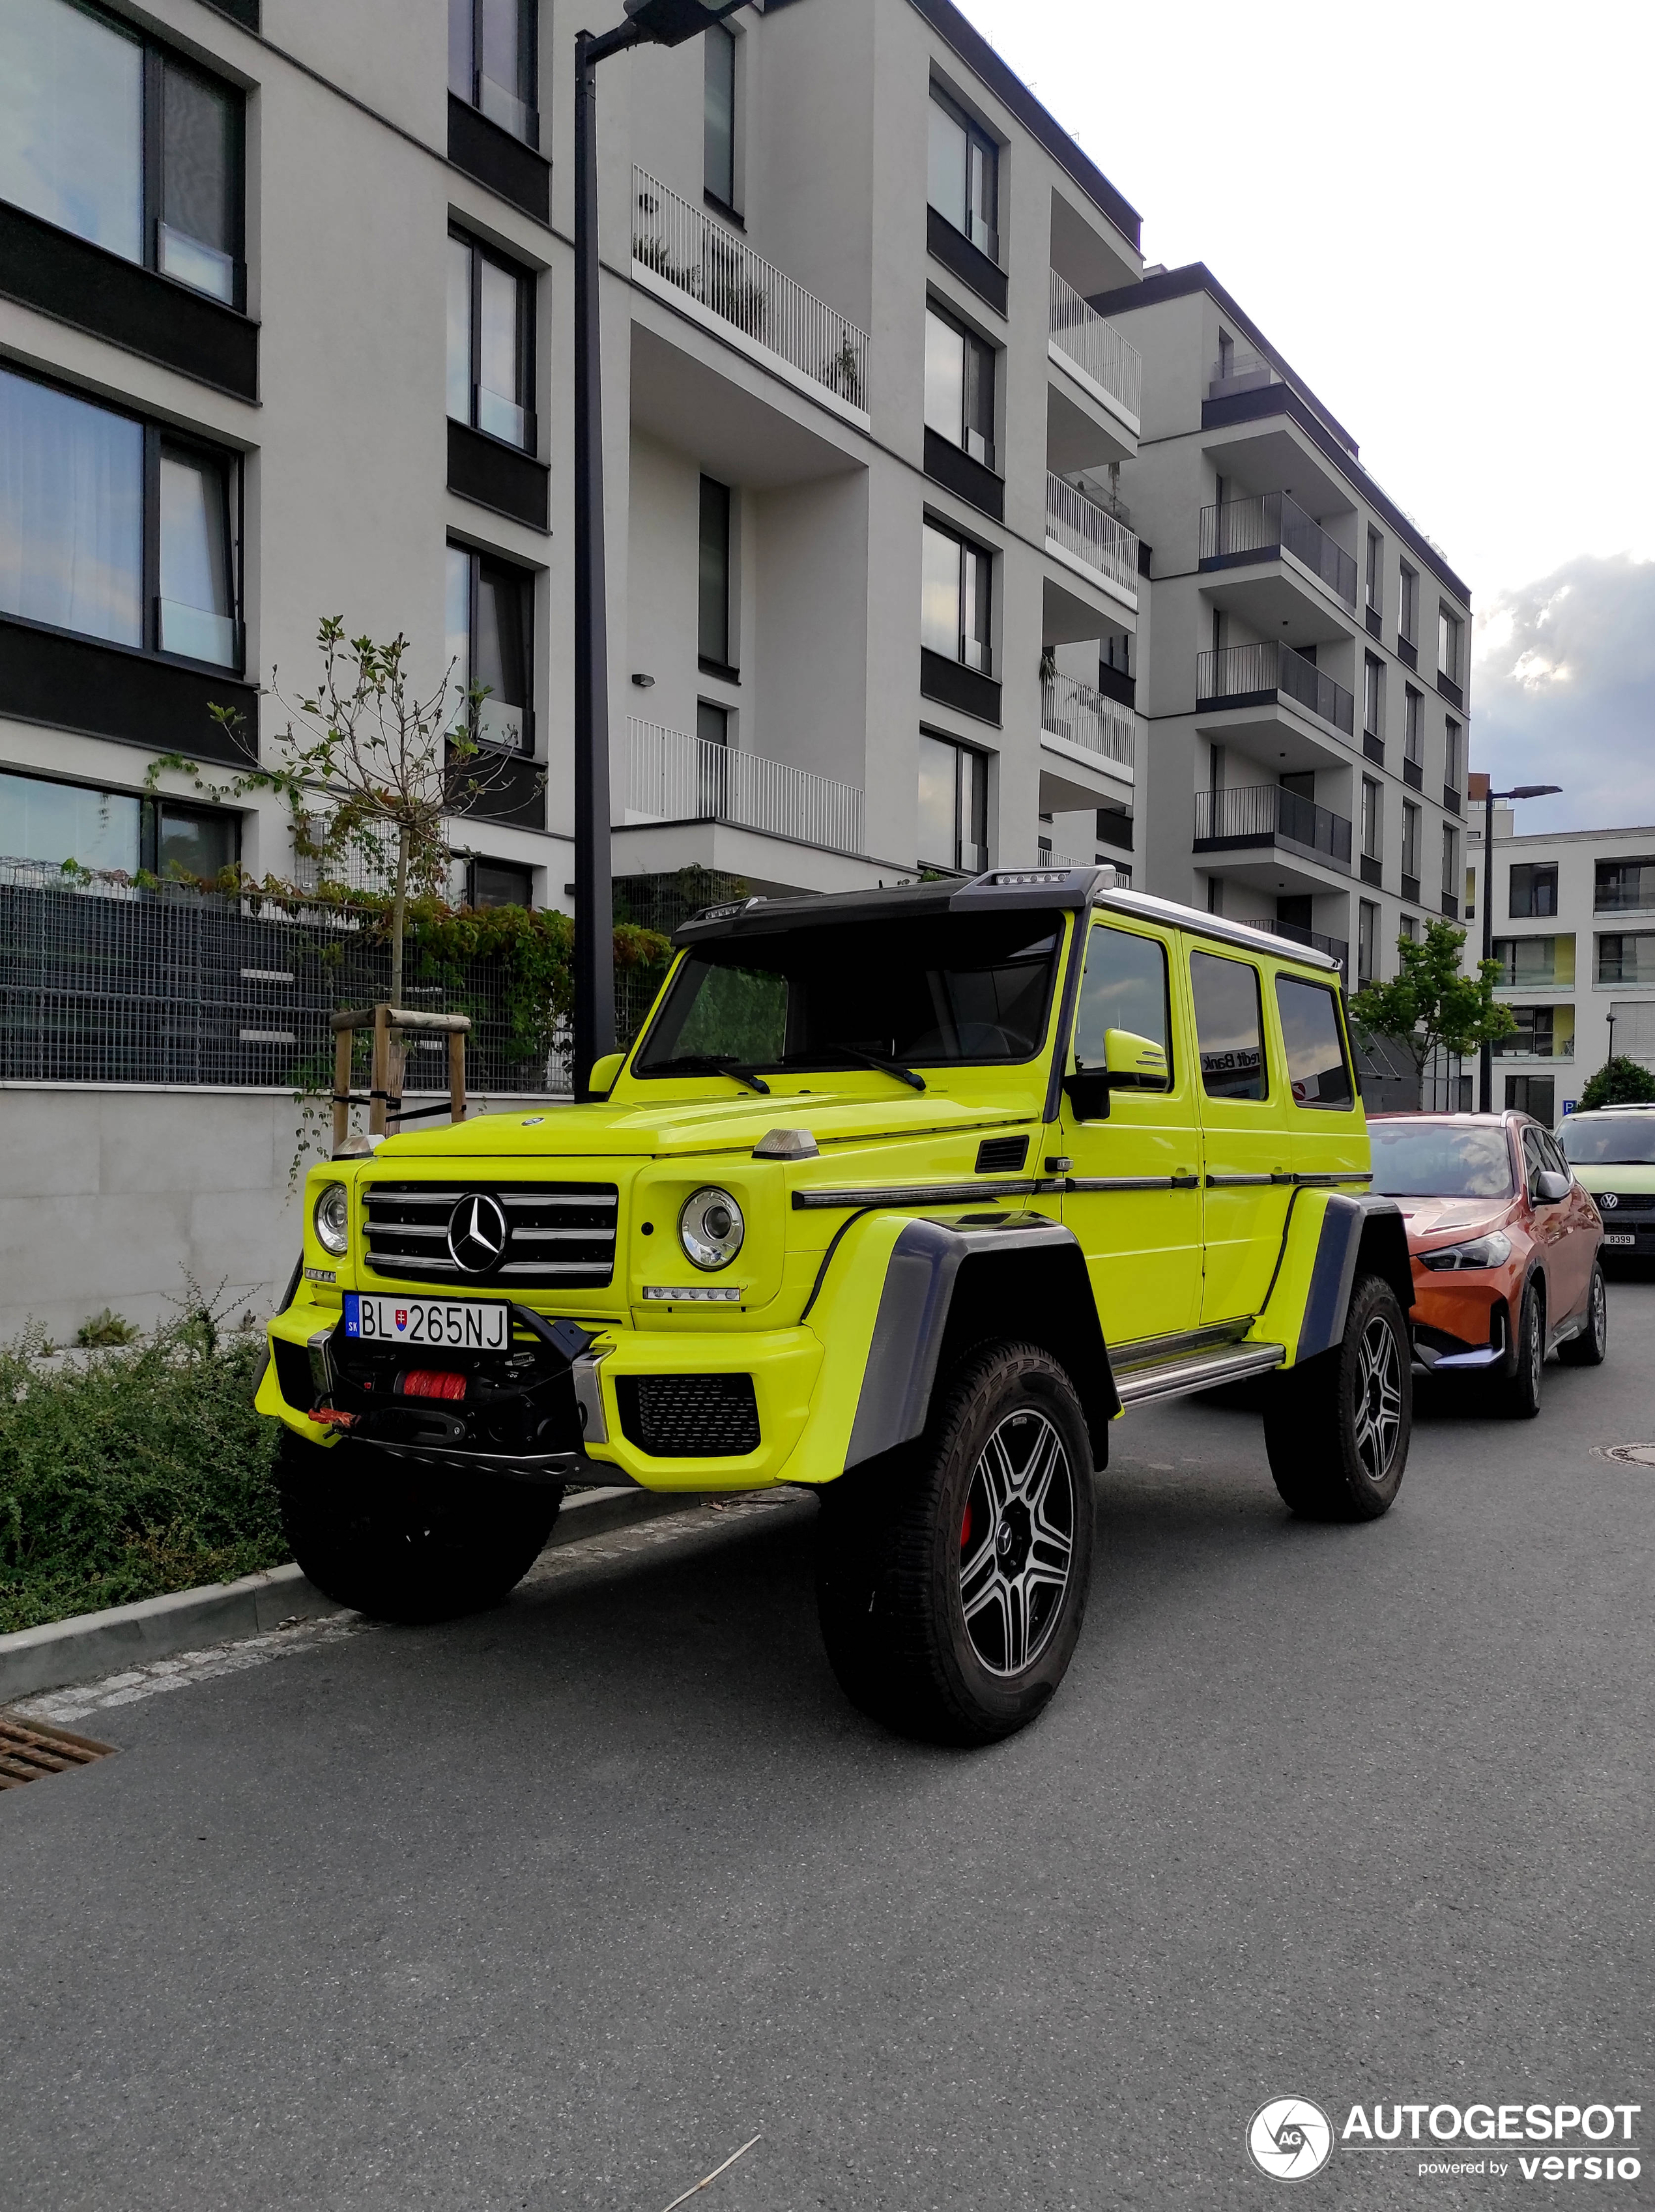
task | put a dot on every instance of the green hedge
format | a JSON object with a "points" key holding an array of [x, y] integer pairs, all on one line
{"points": [[133, 1473]]}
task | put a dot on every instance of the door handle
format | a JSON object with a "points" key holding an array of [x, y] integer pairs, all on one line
{"points": [[1184, 1179]]}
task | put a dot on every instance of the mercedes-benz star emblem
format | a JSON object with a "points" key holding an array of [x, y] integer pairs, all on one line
{"points": [[476, 1234]]}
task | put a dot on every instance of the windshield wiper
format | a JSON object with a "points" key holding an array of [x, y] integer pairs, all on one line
{"points": [[713, 1063], [885, 1067]]}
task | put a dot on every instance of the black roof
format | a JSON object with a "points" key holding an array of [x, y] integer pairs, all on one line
{"points": [[996, 892]]}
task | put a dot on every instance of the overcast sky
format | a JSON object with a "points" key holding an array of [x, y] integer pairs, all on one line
{"points": [[1440, 214]]}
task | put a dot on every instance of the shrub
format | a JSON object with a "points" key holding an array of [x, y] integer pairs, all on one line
{"points": [[142, 1472], [1619, 1082], [101, 1330]]}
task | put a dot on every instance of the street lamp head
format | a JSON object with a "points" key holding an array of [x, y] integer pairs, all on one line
{"points": [[669, 22], [1530, 791]]}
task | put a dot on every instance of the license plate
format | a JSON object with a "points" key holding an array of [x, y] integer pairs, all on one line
{"points": [[444, 1324], [1620, 1240]]}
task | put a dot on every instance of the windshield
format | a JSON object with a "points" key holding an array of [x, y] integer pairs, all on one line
{"points": [[1615, 1141], [1433, 1159], [937, 989]]}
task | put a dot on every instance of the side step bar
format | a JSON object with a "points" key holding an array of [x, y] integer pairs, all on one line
{"points": [[1178, 1377]]}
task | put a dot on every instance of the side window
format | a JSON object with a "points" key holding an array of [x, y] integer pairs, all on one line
{"points": [[1318, 1073], [1229, 1027], [1124, 988], [1534, 1158], [1551, 1153]]}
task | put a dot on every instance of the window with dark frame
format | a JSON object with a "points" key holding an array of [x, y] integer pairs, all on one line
{"points": [[718, 161], [51, 823], [959, 386], [1533, 891], [1451, 632], [953, 805], [493, 62], [123, 143], [1374, 572], [114, 529], [1373, 820], [1624, 886], [498, 882], [1411, 815], [963, 179], [1453, 758], [713, 625], [1407, 605], [1374, 695], [490, 631], [1412, 726], [1451, 885], [955, 598], [1367, 941], [490, 342]]}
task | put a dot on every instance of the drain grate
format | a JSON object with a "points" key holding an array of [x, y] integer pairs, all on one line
{"points": [[29, 1753]]}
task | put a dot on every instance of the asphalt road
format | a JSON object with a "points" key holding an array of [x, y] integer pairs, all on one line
{"points": [[559, 1906]]}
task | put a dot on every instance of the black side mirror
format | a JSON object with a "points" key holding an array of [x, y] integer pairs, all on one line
{"points": [[1087, 1093]]}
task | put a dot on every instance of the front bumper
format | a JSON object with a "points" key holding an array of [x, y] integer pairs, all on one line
{"points": [[637, 1406], [1479, 1341]]}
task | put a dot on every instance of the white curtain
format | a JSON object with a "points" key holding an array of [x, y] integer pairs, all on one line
{"points": [[72, 513]]}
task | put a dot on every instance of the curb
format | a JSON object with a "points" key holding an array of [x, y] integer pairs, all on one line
{"points": [[90, 1644]]}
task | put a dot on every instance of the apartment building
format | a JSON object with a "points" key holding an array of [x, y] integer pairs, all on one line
{"points": [[1306, 705], [285, 307], [1574, 935]]}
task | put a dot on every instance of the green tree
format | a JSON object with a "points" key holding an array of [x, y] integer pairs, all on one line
{"points": [[1619, 1082], [1430, 1005]]}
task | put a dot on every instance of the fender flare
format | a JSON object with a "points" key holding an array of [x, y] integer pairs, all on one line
{"points": [[1368, 1230], [946, 1284]]}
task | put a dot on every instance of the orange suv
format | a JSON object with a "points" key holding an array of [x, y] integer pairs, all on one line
{"points": [[1504, 1243]]}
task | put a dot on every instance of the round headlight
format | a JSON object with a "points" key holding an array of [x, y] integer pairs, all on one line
{"points": [[710, 1228], [332, 1219]]}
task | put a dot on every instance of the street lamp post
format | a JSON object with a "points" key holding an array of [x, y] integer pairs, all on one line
{"points": [[1486, 1058], [654, 22]]}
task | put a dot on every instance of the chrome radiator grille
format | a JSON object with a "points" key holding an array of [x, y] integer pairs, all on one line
{"points": [[556, 1236]]}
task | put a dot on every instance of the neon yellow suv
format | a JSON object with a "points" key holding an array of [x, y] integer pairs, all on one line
{"points": [[902, 1196]]}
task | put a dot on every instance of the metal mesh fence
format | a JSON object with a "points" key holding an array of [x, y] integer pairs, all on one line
{"points": [[103, 982]]}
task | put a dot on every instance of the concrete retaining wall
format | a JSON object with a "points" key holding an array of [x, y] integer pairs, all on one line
{"points": [[108, 1195]]}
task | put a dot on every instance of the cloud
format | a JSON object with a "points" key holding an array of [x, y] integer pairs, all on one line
{"points": [[1563, 691]]}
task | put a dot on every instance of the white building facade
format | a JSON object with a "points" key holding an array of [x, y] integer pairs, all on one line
{"points": [[1574, 935], [285, 309]]}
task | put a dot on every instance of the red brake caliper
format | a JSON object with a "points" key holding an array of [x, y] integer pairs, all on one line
{"points": [[966, 1527]]}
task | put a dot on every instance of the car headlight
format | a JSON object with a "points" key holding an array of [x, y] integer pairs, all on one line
{"points": [[1491, 1251], [331, 1218], [710, 1228]]}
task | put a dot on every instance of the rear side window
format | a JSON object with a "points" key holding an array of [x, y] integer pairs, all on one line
{"points": [[1124, 988], [1318, 1073], [1229, 1027]]}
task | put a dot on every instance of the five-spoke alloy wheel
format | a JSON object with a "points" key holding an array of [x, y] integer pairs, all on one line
{"points": [[1337, 1428], [951, 1573]]}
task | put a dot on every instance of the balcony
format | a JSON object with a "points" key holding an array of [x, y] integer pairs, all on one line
{"points": [[1079, 716], [1243, 531], [1265, 814], [1260, 675], [1085, 534], [1094, 351], [1534, 1044], [682, 253], [673, 777], [1336, 948], [1239, 370]]}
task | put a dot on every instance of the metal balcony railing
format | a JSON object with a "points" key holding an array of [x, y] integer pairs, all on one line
{"points": [[673, 777], [1239, 370], [1534, 1044], [1336, 948], [1095, 347], [1074, 711], [686, 248], [1269, 525], [1092, 534], [1259, 813], [1254, 672]]}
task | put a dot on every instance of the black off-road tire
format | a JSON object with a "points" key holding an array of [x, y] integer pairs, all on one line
{"points": [[1590, 1347], [951, 1574], [404, 1543], [1338, 1429], [1518, 1393]]}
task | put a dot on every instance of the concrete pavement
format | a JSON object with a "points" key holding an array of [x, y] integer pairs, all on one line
{"points": [[558, 1906]]}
